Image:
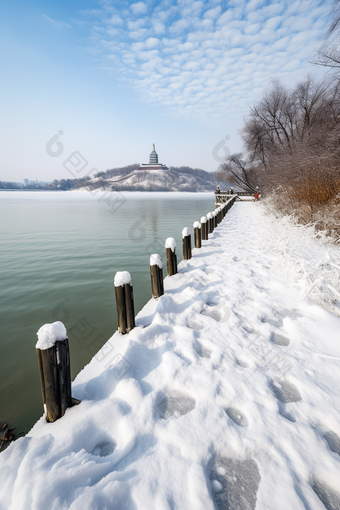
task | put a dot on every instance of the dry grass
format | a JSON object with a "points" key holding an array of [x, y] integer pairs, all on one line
{"points": [[310, 202]]}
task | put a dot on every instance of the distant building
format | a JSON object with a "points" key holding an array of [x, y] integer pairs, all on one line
{"points": [[153, 162], [26, 182]]}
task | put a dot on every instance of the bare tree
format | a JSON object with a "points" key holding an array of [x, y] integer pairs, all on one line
{"points": [[292, 139], [329, 53], [238, 171], [289, 131]]}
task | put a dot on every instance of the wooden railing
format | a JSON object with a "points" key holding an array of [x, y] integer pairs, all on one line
{"points": [[222, 196], [239, 193]]}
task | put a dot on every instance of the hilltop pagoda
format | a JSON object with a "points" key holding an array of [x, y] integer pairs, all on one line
{"points": [[153, 162]]}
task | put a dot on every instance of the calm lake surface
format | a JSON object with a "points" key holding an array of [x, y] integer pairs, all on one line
{"points": [[59, 254]]}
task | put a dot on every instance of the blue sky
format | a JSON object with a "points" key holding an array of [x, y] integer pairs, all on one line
{"points": [[117, 76]]}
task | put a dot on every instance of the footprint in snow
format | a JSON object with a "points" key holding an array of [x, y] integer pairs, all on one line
{"points": [[210, 270], [242, 363], [333, 441], [329, 497], [292, 314], [203, 351], [175, 404], [286, 413], [195, 325], [235, 484], [274, 321], [214, 314], [280, 340], [104, 449], [220, 312], [286, 392], [237, 417]]}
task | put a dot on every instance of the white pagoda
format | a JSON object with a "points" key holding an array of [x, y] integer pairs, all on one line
{"points": [[153, 162]]}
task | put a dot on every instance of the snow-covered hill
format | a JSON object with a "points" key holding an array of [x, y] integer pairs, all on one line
{"points": [[157, 180]]}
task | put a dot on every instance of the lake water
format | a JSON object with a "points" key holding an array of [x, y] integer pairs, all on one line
{"points": [[59, 254]]}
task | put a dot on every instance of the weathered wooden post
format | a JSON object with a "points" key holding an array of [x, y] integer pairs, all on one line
{"points": [[55, 371], [171, 257], [124, 302], [215, 218], [218, 215], [210, 223], [156, 272], [197, 234], [186, 240], [204, 229]]}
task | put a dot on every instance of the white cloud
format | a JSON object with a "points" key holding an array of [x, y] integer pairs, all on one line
{"points": [[158, 27], [115, 20], [151, 42], [206, 61], [213, 13], [138, 8]]}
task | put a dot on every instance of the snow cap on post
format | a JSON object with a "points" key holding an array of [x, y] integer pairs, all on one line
{"points": [[121, 278], [155, 260], [209, 216], [197, 224], [170, 243], [204, 219], [185, 232], [49, 334]]}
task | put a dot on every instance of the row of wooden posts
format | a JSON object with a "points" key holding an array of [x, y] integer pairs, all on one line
{"points": [[54, 362], [124, 293]]}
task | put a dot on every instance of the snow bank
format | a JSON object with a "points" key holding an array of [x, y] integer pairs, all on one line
{"points": [[49, 334], [185, 232], [197, 224], [121, 278], [170, 243], [306, 258], [155, 260]]}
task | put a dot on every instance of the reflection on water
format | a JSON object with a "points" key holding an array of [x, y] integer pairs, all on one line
{"points": [[59, 254]]}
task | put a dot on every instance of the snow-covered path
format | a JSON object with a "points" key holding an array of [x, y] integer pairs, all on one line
{"points": [[226, 395]]}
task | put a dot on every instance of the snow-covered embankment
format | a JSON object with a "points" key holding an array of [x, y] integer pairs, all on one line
{"points": [[226, 395]]}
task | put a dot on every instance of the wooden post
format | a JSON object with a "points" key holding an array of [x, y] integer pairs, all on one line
{"points": [[121, 310], [124, 302], [130, 307], [171, 257], [156, 271], [215, 218], [186, 240], [197, 234], [204, 229], [210, 223], [55, 371]]}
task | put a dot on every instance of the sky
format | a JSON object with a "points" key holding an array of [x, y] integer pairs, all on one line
{"points": [[108, 79]]}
